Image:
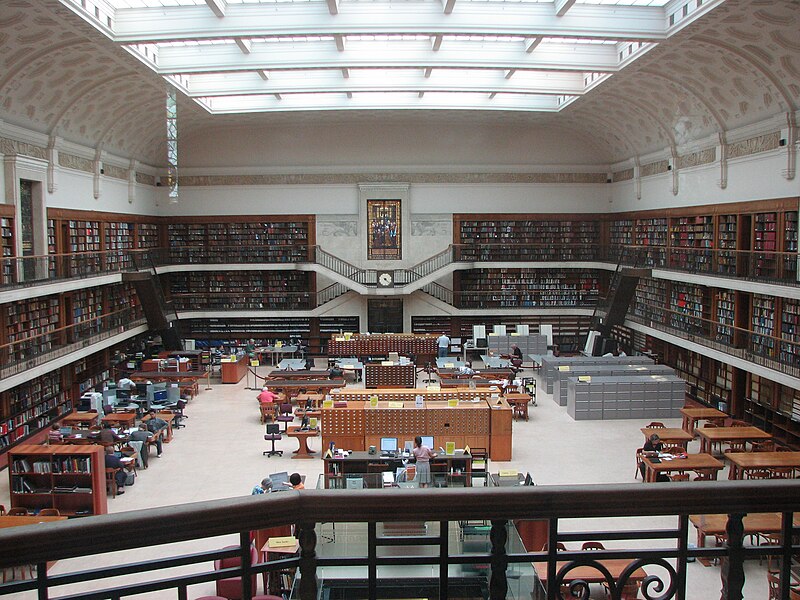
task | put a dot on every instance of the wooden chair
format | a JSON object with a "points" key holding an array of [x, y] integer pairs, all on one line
{"points": [[674, 449], [49, 512], [679, 477], [705, 475], [638, 462], [593, 546], [17, 511], [111, 482], [765, 446], [656, 425], [2, 510], [714, 445], [267, 410]]}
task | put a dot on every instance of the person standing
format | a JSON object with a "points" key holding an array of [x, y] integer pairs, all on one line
{"points": [[443, 344], [423, 456]]}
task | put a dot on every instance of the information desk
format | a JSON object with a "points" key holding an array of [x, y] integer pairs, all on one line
{"points": [[234, 371], [383, 344], [389, 376], [300, 374], [292, 387], [458, 465], [485, 423]]}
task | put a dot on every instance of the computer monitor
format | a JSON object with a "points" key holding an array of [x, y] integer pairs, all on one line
{"points": [[123, 394], [160, 396], [279, 480], [427, 440], [355, 483], [66, 430], [141, 389], [388, 444]]}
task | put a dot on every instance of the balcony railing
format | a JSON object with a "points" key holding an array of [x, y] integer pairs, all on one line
{"points": [[498, 565]]}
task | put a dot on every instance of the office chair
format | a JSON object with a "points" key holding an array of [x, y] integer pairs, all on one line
{"points": [[273, 435], [285, 415], [179, 416]]}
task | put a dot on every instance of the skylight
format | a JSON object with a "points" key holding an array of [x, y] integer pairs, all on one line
{"points": [[284, 55]]}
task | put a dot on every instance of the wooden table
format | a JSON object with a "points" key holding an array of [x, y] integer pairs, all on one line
{"points": [[316, 399], [302, 436], [669, 435], [298, 374], [692, 462], [519, 403], [292, 388], [18, 521], [716, 435], [78, 419], [742, 462], [590, 574], [125, 420], [753, 523], [692, 415]]}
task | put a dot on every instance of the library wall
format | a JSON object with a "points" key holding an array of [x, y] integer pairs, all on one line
{"points": [[755, 177], [74, 190]]}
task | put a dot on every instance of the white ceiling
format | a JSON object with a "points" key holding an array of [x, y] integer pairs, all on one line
{"points": [[737, 63]]}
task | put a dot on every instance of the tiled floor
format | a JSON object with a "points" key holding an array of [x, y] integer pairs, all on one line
{"points": [[219, 454]]}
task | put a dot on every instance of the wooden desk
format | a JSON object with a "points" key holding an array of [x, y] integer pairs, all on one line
{"points": [[519, 403], [314, 386], [670, 435], [692, 415], [590, 574], [692, 462], [741, 462], [303, 451], [715, 435], [496, 373], [478, 382], [19, 521], [316, 399], [753, 523], [186, 380], [299, 374], [78, 419], [125, 420]]}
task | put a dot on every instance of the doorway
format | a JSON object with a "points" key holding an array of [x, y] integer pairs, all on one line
{"points": [[385, 315]]}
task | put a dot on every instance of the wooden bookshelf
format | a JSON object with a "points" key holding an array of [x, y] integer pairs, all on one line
{"points": [[765, 239], [7, 245], [32, 407], [774, 408], [690, 308], [30, 326], [69, 478], [724, 315], [790, 332], [762, 324], [528, 238], [620, 233], [148, 236], [528, 288], [652, 234], [650, 300], [695, 235], [727, 244], [243, 290]]}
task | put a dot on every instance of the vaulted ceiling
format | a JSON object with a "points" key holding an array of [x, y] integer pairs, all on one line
{"points": [[737, 63]]}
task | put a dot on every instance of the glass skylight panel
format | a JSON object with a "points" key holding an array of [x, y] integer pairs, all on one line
{"points": [[625, 2]]}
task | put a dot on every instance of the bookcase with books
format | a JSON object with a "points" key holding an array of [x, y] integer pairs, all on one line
{"points": [[790, 245], [118, 242], [148, 235], [28, 408], [66, 477], [30, 327], [765, 244], [773, 407], [529, 238], [650, 299], [652, 234], [727, 244], [790, 332], [620, 234], [243, 290], [87, 308], [763, 325], [690, 312], [725, 315], [528, 288], [691, 240], [7, 242]]}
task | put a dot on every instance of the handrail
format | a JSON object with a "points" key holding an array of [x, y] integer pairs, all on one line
{"points": [[338, 265], [429, 265], [327, 294], [164, 525], [439, 292]]}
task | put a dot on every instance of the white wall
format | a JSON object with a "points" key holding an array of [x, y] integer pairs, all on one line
{"points": [[75, 191]]}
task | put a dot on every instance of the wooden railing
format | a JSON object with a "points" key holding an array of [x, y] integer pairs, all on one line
{"points": [[199, 521]]}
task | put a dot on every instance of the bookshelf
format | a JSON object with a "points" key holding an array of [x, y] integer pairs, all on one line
{"points": [[532, 238], [8, 249], [650, 300], [89, 372], [148, 235], [87, 308], [528, 288], [790, 244], [725, 316], [243, 290], [30, 326], [620, 234], [652, 234], [69, 478], [118, 242], [762, 324], [790, 332], [691, 240], [690, 308], [32, 407], [727, 228], [774, 408], [765, 239]]}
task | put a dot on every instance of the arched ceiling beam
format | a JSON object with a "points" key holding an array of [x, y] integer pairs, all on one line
{"points": [[652, 115], [610, 129]]}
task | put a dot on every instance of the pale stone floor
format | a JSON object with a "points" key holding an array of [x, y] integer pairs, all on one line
{"points": [[219, 455]]}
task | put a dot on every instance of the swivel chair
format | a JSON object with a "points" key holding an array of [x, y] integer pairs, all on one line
{"points": [[273, 435], [285, 415], [179, 416]]}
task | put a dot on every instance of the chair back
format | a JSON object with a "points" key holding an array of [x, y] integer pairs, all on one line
{"points": [[286, 409], [593, 546], [656, 425]]}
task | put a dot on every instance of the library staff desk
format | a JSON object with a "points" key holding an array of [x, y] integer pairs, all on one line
{"points": [[719, 435], [693, 462], [359, 463], [754, 523], [692, 415], [669, 435], [292, 388], [786, 463], [302, 435], [80, 419], [300, 374], [590, 574]]}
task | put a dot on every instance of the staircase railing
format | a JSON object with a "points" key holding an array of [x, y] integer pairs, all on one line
{"points": [[342, 267], [429, 265], [628, 258], [331, 292], [439, 292]]}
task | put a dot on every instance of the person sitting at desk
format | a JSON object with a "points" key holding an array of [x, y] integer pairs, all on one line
{"points": [[265, 487], [423, 455], [115, 462], [267, 396], [156, 425], [652, 447], [126, 384], [296, 481], [250, 348], [55, 435], [516, 356], [143, 436], [107, 436], [466, 369]]}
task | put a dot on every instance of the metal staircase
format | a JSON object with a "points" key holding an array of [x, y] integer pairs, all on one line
{"points": [[160, 313], [611, 309]]}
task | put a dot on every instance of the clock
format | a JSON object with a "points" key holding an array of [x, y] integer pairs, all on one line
{"points": [[385, 279]]}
